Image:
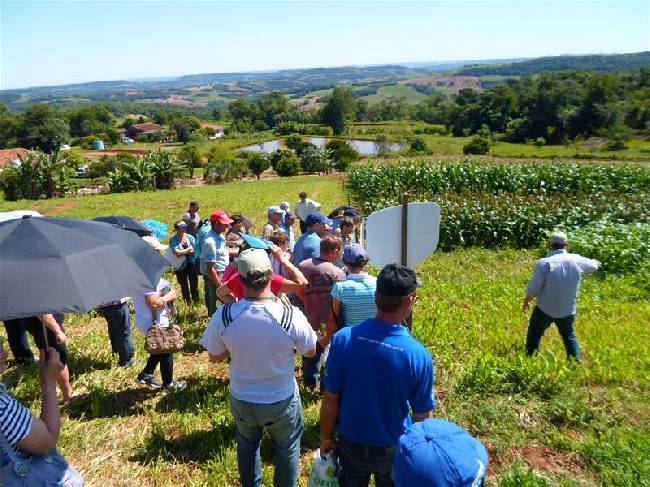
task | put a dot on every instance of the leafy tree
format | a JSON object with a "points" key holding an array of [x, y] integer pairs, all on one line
{"points": [[131, 174], [419, 146], [37, 176], [40, 127], [288, 164], [190, 157], [164, 167], [293, 141], [8, 127], [478, 145], [339, 111], [342, 154], [258, 162], [278, 155], [89, 120]]}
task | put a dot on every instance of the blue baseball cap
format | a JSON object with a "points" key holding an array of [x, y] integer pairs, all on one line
{"points": [[355, 254], [314, 218], [439, 453]]}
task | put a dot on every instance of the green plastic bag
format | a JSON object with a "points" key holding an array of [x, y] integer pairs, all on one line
{"points": [[323, 472]]}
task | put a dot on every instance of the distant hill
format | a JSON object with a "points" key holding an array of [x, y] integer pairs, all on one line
{"points": [[595, 62]]}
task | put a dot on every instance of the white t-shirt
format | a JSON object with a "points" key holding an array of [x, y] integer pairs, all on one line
{"points": [[143, 316], [261, 337]]}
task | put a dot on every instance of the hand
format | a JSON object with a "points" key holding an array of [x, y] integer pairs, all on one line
{"points": [[276, 252], [61, 339], [327, 446], [324, 342], [50, 365], [524, 308], [190, 250]]}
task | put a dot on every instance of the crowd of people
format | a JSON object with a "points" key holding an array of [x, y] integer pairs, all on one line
{"points": [[271, 295]]}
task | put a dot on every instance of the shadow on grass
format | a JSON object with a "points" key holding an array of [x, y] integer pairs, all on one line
{"points": [[100, 403], [80, 363], [198, 446], [201, 393]]}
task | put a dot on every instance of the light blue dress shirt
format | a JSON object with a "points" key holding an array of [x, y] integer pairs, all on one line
{"points": [[556, 282]]}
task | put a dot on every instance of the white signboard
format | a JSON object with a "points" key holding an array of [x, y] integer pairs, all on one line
{"points": [[384, 234]]}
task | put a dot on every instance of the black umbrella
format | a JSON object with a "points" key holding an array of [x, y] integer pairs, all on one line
{"points": [[126, 223], [62, 265], [350, 210]]}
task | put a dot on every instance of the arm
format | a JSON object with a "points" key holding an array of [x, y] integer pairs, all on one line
{"points": [[49, 321], [333, 322], [45, 431], [213, 275], [417, 417], [155, 300], [219, 357], [526, 304], [224, 293], [295, 279], [311, 353], [329, 413]]}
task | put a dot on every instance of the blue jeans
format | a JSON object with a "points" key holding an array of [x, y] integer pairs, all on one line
{"points": [[284, 424], [540, 321], [359, 461], [310, 367], [118, 318]]}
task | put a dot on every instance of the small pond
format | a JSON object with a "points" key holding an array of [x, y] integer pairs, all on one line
{"points": [[363, 147]]}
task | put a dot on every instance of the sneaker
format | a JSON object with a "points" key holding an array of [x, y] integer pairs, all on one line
{"points": [[148, 380], [176, 386]]}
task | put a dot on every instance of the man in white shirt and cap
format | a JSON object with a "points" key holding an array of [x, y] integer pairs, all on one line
{"points": [[555, 285]]}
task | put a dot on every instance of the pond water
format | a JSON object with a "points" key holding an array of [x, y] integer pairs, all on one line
{"points": [[363, 147]]}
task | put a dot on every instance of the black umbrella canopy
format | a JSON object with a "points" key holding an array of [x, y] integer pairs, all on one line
{"points": [[126, 223], [63, 265], [350, 209]]}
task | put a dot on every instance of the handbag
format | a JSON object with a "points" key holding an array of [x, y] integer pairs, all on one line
{"points": [[36, 471], [163, 339]]}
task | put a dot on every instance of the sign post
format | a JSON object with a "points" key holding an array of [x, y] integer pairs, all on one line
{"points": [[407, 234]]}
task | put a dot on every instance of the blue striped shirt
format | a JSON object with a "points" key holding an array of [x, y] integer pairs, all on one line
{"points": [[15, 420], [357, 296]]}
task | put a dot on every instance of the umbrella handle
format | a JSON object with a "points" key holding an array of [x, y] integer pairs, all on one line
{"points": [[47, 342]]}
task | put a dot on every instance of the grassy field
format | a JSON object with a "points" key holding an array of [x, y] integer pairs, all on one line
{"points": [[544, 420], [410, 94]]}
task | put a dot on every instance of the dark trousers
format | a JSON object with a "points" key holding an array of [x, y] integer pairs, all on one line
{"points": [[310, 368], [188, 279], [540, 321], [17, 337], [303, 226], [166, 361], [358, 462], [18, 343], [118, 318]]}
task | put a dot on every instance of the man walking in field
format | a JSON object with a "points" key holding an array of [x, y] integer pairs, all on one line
{"points": [[260, 334], [304, 207], [378, 380], [555, 284]]}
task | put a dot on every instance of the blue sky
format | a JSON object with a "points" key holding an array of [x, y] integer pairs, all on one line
{"points": [[46, 43]]}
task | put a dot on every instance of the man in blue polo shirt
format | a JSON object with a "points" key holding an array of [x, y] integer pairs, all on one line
{"points": [[308, 245], [375, 373]]}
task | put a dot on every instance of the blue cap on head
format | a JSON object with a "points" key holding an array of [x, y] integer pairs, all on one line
{"points": [[355, 254], [314, 218], [439, 453]]}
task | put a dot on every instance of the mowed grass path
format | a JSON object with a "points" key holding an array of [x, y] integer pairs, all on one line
{"points": [[572, 424]]}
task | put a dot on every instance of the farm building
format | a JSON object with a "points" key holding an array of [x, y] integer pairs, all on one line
{"points": [[140, 129], [10, 157], [218, 129]]}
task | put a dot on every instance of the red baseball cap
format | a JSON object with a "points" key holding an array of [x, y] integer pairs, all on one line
{"points": [[221, 217]]}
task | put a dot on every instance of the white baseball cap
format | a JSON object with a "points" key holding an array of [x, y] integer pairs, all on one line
{"points": [[251, 260]]}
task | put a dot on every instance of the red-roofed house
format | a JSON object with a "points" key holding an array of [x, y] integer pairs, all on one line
{"points": [[218, 129], [10, 157], [140, 129]]}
